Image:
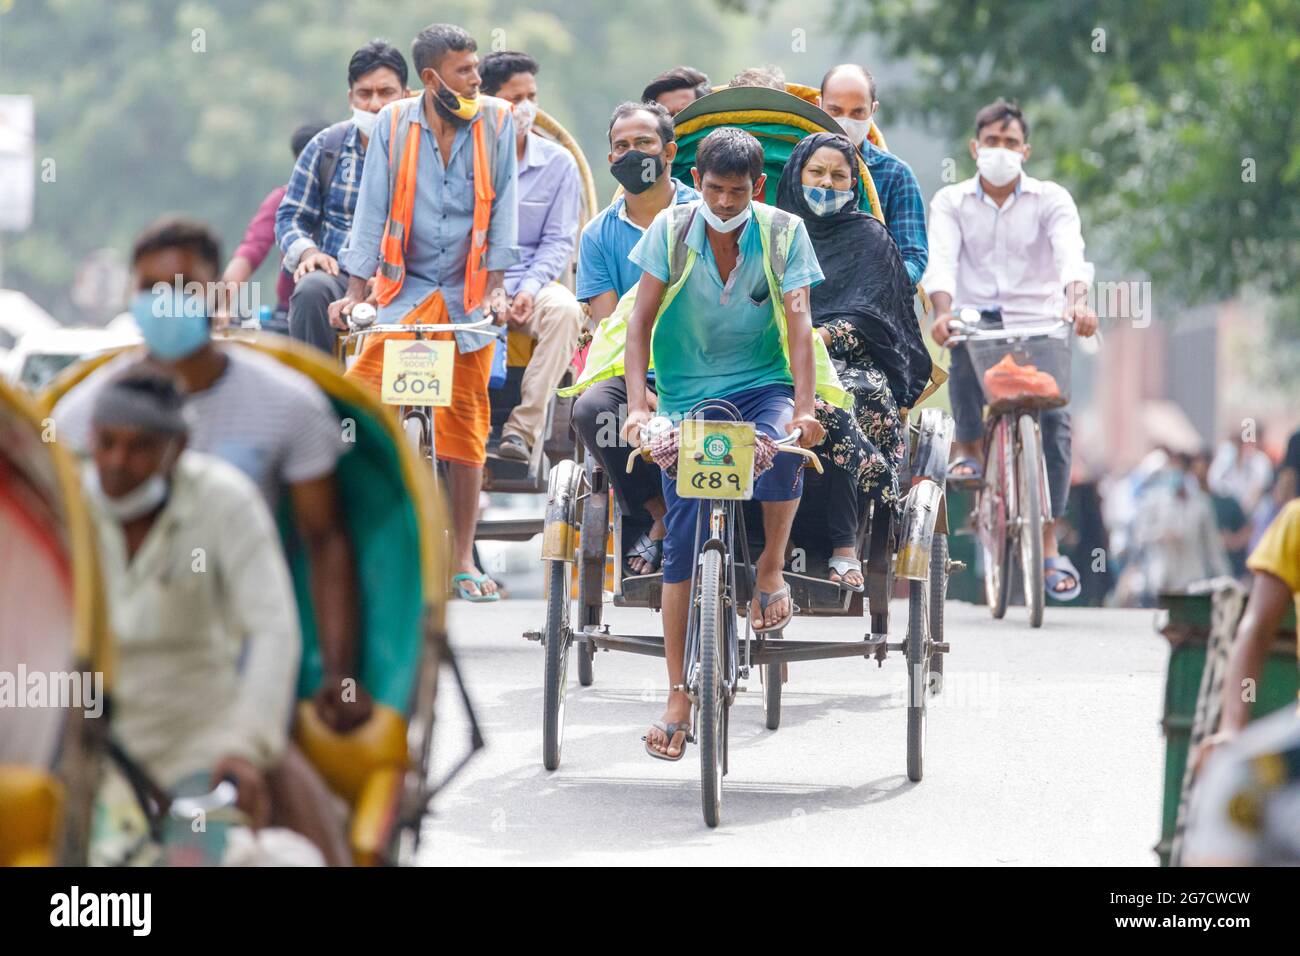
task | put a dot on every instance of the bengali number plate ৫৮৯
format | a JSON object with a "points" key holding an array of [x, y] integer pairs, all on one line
{"points": [[715, 460], [417, 373]]}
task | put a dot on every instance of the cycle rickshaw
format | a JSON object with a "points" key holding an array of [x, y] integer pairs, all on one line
{"points": [[53, 624], [394, 518], [506, 475], [583, 527]]}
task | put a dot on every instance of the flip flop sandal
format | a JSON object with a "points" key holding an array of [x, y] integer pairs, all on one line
{"points": [[842, 566], [975, 470], [1058, 569], [647, 549], [465, 594], [670, 731], [765, 599]]}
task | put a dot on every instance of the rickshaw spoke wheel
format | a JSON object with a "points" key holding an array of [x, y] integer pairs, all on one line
{"points": [[995, 523], [918, 675], [556, 679], [1030, 498], [711, 730], [938, 588]]}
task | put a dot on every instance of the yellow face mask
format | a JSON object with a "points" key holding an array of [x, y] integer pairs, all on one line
{"points": [[459, 106]]}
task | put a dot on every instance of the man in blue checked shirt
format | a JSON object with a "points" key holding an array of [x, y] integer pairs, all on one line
{"points": [[315, 217], [848, 93]]}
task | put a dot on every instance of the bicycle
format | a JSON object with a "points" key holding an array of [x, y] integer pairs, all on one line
{"points": [[416, 396], [1023, 372]]}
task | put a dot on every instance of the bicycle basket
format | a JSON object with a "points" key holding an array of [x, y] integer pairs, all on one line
{"points": [[1018, 371]]}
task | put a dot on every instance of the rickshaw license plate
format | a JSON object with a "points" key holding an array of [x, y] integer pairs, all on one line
{"points": [[715, 460], [417, 373]]}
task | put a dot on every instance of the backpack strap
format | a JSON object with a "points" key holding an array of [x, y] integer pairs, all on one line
{"points": [[329, 156], [778, 244], [681, 216]]}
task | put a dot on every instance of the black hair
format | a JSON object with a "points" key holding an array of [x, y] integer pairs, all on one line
{"points": [[678, 78], [866, 75], [435, 41], [663, 120], [729, 151], [151, 382], [303, 135], [177, 232], [999, 112], [497, 69], [374, 55]]}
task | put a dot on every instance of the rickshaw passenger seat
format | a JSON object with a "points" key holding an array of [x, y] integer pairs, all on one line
{"points": [[31, 804], [347, 761], [519, 349]]}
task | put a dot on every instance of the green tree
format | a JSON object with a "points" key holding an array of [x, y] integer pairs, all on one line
{"points": [[1174, 124]]}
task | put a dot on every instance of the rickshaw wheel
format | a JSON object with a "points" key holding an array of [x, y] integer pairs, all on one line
{"points": [[555, 682], [594, 527], [711, 731], [938, 585], [1030, 502], [918, 673], [772, 696]]}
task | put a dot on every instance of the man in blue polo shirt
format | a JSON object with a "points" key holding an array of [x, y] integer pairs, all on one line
{"points": [[641, 151], [848, 93]]}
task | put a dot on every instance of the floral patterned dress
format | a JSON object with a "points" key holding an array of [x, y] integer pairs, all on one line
{"points": [[869, 443]]}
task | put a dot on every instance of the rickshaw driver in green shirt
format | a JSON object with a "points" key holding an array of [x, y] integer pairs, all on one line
{"points": [[720, 336]]}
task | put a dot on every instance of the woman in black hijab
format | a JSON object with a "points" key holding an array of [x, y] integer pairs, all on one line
{"points": [[864, 313]]}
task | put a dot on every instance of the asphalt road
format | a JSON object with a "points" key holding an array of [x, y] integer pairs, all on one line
{"points": [[1044, 748]]}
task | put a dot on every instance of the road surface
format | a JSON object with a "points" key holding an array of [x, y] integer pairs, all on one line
{"points": [[1044, 748]]}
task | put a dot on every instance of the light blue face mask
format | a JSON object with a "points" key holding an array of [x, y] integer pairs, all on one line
{"points": [[172, 326], [826, 202]]}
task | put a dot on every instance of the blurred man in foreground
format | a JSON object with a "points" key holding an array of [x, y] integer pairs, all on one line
{"points": [[203, 613]]}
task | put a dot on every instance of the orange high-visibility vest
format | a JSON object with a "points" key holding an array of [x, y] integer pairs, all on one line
{"points": [[403, 164]]}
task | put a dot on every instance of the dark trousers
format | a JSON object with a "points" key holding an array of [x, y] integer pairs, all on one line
{"points": [[843, 508], [598, 417], [966, 395], [309, 319]]}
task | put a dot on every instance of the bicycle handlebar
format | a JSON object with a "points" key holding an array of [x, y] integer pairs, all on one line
{"points": [[221, 797], [965, 329], [485, 326], [786, 444]]}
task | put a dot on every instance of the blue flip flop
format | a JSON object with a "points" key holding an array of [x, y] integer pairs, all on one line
{"points": [[1058, 569], [464, 593]]}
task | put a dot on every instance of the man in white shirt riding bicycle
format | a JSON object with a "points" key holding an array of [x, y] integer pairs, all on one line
{"points": [[1010, 246]]}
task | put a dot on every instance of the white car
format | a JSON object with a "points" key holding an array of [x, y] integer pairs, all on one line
{"points": [[42, 354]]}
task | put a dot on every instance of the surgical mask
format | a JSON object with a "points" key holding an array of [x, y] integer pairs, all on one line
{"points": [[826, 202], [728, 225], [172, 326], [364, 120], [999, 166], [461, 107], [145, 498], [524, 112], [637, 171], [855, 129]]}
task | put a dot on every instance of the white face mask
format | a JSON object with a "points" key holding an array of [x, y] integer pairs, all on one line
{"points": [[145, 498], [524, 112], [856, 129], [999, 166], [364, 120], [726, 225]]}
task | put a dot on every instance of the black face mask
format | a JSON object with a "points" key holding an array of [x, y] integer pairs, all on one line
{"points": [[637, 171]]}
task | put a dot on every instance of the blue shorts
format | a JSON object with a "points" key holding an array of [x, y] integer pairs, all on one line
{"points": [[770, 407]]}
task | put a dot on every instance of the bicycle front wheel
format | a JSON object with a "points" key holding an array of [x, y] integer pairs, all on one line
{"points": [[710, 732], [1030, 487], [994, 516]]}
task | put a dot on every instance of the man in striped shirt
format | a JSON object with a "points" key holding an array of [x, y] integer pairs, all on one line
{"points": [[267, 420], [315, 216]]}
